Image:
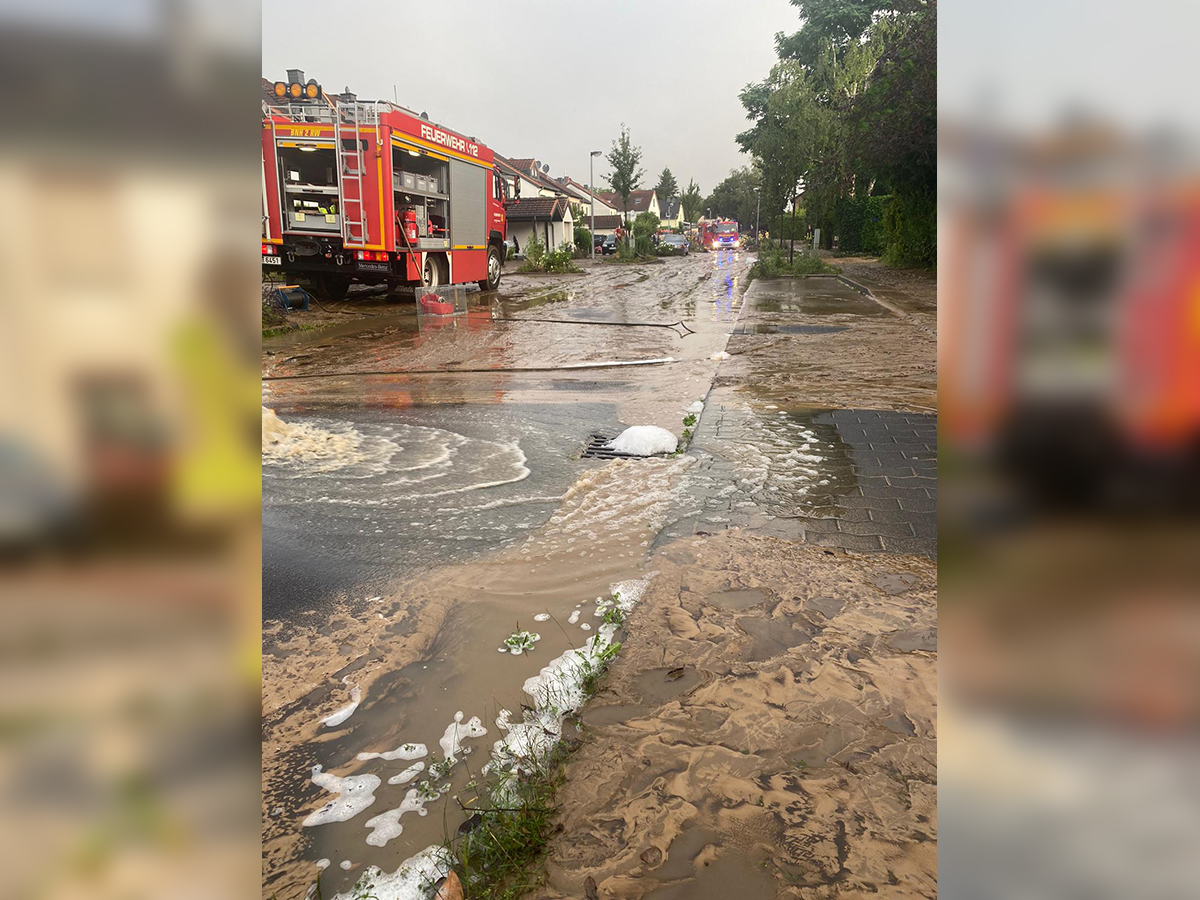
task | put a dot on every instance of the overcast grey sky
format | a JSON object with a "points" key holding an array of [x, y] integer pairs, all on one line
{"points": [[1034, 58], [550, 79]]}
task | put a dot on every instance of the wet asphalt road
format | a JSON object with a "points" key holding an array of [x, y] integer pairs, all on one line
{"points": [[428, 470]]}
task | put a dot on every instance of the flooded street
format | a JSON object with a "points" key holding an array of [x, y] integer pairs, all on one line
{"points": [[414, 520], [434, 537]]}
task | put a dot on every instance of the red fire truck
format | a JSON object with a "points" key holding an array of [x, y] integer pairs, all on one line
{"points": [[1069, 329], [718, 234], [374, 193]]}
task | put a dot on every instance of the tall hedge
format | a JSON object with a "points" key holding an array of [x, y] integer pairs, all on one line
{"points": [[860, 224]]}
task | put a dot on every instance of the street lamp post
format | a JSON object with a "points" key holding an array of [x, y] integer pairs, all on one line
{"points": [[757, 210], [592, 194]]}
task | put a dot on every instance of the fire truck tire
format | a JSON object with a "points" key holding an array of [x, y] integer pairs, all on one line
{"points": [[331, 287], [433, 271], [493, 270]]}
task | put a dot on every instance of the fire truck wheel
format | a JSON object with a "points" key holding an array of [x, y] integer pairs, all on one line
{"points": [[433, 272], [331, 287], [493, 270]]}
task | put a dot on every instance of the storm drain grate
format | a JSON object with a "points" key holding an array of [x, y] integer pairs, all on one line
{"points": [[595, 449]]}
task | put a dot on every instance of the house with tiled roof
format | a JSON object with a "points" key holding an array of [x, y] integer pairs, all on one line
{"points": [[607, 224], [534, 182], [525, 166], [639, 202], [548, 217], [586, 197]]}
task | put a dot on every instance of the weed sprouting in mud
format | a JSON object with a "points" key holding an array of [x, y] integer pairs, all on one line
{"points": [[521, 641], [614, 616], [497, 857], [497, 853]]}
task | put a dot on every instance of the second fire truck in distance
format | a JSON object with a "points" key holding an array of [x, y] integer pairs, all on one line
{"points": [[718, 234], [374, 193]]}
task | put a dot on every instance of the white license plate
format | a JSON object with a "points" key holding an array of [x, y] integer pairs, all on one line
{"points": [[271, 261]]}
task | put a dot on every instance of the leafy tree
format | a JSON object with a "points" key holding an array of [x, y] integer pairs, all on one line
{"points": [[645, 224], [734, 198], [849, 112], [692, 201], [893, 134], [627, 173], [667, 187]]}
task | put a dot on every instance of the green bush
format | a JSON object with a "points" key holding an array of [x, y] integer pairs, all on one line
{"points": [[559, 260], [910, 225], [642, 244], [645, 224], [583, 238], [538, 259], [786, 227], [774, 264], [625, 249], [535, 250], [859, 224]]}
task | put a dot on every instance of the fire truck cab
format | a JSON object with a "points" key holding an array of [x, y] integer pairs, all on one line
{"points": [[718, 234], [374, 193]]}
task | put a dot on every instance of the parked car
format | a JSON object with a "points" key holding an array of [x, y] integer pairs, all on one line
{"points": [[677, 242], [609, 245], [598, 242]]}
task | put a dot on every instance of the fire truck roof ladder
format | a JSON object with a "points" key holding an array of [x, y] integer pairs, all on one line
{"points": [[350, 171]]}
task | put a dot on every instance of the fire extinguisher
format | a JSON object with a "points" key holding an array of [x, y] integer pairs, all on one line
{"points": [[408, 221]]}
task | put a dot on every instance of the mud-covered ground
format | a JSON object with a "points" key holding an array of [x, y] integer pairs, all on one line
{"points": [[770, 724], [770, 728]]}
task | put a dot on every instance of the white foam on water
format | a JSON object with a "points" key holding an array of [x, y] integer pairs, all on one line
{"points": [[697, 407], [456, 731], [557, 691], [322, 863], [335, 719], [354, 794], [517, 471], [404, 751], [508, 501], [419, 461], [317, 448], [386, 825], [411, 881], [346, 864], [573, 618], [542, 617], [408, 774], [644, 440], [721, 355]]}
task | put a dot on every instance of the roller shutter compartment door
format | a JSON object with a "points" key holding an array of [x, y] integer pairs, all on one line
{"points": [[467, 202]]}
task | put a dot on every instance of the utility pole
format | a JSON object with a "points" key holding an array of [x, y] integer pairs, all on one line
{"points": [[592, 194]]}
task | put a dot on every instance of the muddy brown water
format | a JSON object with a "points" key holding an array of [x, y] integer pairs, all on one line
{"points": [[657, 686], [412, 523], [741, 599], [406, 542]]}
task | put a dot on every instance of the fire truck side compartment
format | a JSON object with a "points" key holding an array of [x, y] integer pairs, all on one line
{"points": [[467, 197]]}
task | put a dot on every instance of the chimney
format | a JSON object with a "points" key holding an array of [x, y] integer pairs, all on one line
{"points": [[348, 97], [295, 76]]}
